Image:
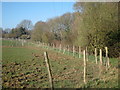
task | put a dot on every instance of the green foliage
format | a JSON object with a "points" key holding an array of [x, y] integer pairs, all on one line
{"points": [[61, 28], [16, 33], [97, 25], [93, 25], [40, 32]]}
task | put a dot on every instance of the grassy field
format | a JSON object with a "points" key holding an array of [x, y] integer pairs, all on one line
{"points": [[22, 69]]}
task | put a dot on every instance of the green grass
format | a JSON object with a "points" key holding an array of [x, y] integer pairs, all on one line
{"points": [[21, 60], [22, 69], [15, 43], [113, 61], [11, 43], [16, 54]]}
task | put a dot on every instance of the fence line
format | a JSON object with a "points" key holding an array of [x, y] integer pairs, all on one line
{"points": [[85, 57], [70, 49]]}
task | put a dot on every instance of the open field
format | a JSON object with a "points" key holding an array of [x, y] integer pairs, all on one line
{"points": [[25, 67], [66, 45]]}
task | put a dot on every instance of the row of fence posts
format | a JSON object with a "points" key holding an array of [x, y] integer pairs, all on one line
{"points": [[73, 51], [22, 41], [107, 63], [85, 59], [80, 52]]}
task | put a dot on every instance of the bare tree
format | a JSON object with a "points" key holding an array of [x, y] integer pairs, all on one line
{"points": [[27, 24]]}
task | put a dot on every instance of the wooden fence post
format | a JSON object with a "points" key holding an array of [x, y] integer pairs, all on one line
{"points": [[101, 56], [22, 43], [48, 46], [49, 70], [79, 52], [53, 46], [84, 59], [100, 65], [96, 55], [60, 48], [73, 50], [64, 50], [43, 45], [86, 54], [68, 49], [107, 58]]}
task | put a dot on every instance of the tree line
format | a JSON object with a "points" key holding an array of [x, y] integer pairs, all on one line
{"points": [[91, 25]]}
